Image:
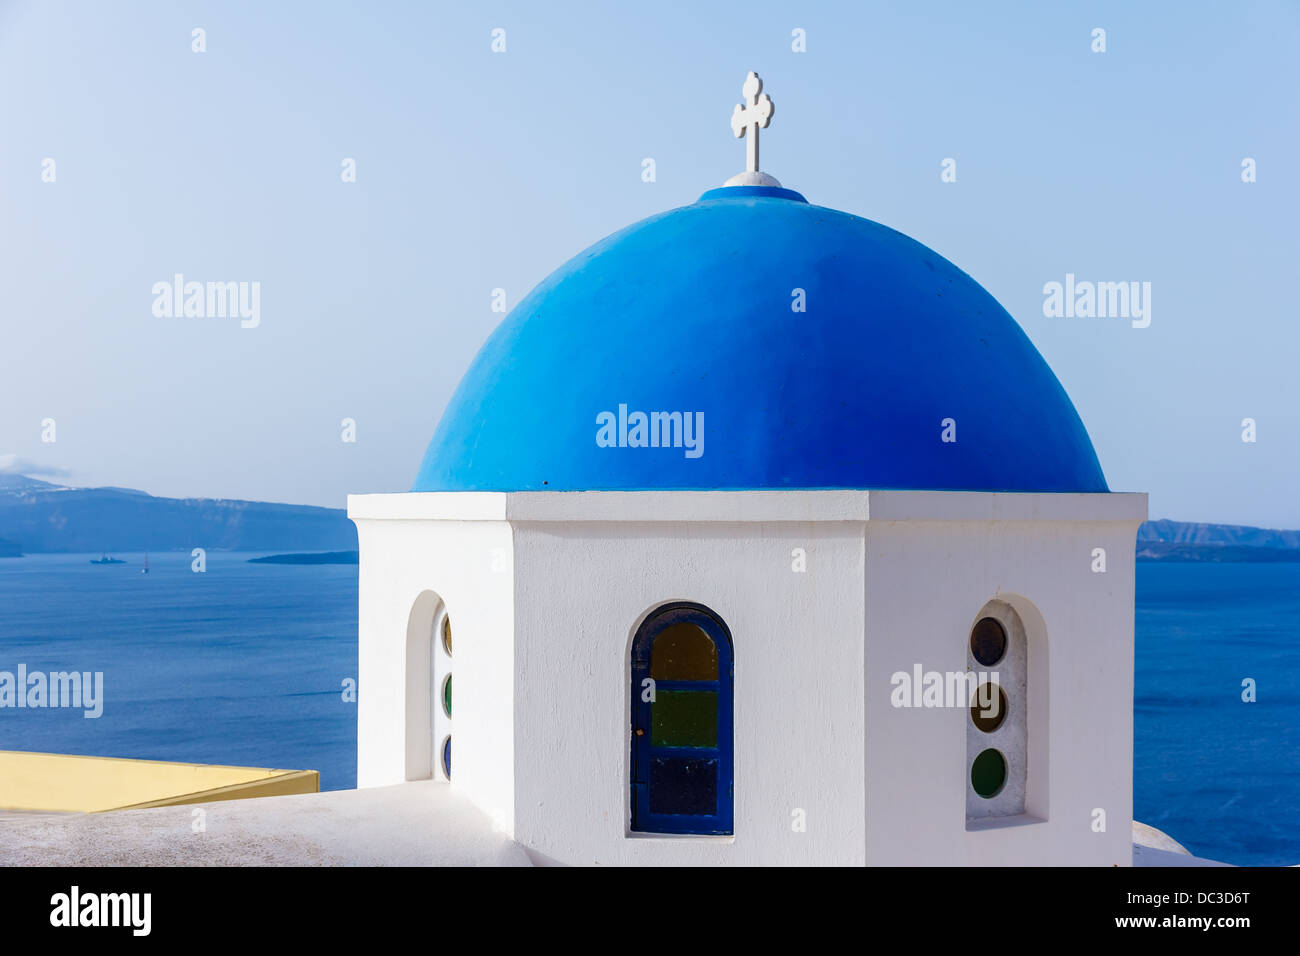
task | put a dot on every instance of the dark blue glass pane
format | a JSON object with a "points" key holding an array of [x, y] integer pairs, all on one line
{"points": [[446, 757], [683, 785]]}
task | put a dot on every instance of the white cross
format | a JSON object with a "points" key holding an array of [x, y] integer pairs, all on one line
{"points": [[756, 115]]}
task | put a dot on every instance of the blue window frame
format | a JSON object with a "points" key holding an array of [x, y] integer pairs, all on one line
{"points": [[681, 732]]}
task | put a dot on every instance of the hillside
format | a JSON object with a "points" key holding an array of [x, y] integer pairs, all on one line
{"points": [[37, 516], [1216, 553], [1186, 541], [1187, 532]]}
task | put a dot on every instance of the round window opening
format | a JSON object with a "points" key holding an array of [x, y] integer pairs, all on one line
{"points": [[446, 634], [988, 773], [988, 707], [988, 641], [446, 756], [446, 696]]}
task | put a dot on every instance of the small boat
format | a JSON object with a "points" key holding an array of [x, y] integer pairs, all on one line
{"points": [[145, 569], [105, 559]]}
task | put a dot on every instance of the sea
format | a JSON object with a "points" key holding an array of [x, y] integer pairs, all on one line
{"points": [[242, 664], [251, 665], [1218, 772]]}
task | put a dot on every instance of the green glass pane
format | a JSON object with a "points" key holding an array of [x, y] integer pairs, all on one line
{"points": [[684, 718], [446, 695], [988, 773], [683, 652]]}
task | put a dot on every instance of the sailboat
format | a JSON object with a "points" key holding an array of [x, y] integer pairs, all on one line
{"points": [[145, 569]]}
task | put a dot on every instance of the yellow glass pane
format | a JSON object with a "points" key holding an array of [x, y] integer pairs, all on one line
{"points": [[683, 652]]}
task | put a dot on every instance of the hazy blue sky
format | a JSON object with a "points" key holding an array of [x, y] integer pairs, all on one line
{"points": [[478, 170]]}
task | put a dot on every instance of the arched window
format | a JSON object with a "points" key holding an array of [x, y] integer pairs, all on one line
{"points": [[428, 689], [440, 692], [997, 734], [681, 722]]}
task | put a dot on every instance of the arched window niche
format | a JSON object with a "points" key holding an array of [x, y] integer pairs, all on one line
{"points": [[681, 728], [1007, 723], [428, 689]]}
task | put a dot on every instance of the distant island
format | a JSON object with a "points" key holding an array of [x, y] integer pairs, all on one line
{"points": [[1187, 541], [41, 517], [311, 557], [1213, 553]]}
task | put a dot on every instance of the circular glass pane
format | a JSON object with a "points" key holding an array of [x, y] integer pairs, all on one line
{"points": [[446, 756], [988, 773], [446, 634], [446, 696], [988, 708], [988, 642]]}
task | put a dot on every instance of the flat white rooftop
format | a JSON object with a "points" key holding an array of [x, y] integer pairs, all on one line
{"points": [[410, 824]]}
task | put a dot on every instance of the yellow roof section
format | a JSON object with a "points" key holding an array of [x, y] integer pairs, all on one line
{"points": [[70, 783]]}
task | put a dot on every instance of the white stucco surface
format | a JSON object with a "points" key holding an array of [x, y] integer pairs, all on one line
{"points": [[1149, 836], [457, 563], [546, 590], [412, 824], [1150, 856], [925, 583], [416, 824]]}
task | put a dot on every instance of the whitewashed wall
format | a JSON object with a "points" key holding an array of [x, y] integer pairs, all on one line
{"points": [[582, 591], [401, 559], [541, 664], [925, 585]]}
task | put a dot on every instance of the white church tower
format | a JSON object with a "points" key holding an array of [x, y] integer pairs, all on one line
{"points": [[759, 533]]}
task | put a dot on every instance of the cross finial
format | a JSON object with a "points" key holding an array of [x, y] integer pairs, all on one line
{"points": [[749, 118]]}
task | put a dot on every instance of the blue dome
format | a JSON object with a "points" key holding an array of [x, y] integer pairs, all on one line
{"points": [[690, 312]]}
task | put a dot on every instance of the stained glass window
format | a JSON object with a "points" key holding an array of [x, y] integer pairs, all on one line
{"points": [[681, 723]]}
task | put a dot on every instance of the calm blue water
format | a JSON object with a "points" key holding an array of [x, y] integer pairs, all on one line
{"points": [[240, 665], [243, 665], [1220, 776]]}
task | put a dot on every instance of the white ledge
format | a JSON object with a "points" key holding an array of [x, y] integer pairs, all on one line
{"points": [[734, 506]]}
